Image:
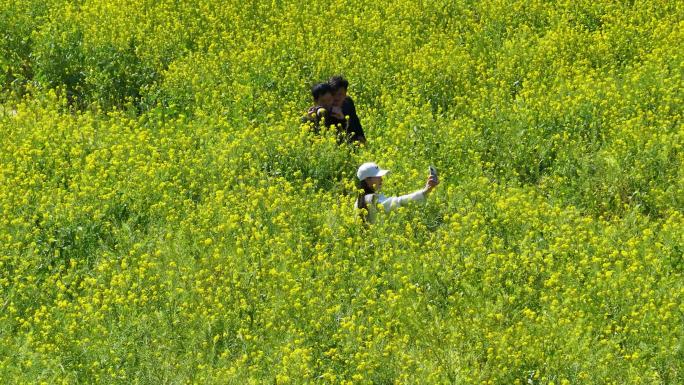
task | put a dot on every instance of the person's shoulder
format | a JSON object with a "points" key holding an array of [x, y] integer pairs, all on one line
{"points": [[348, 106], [380, 197]]}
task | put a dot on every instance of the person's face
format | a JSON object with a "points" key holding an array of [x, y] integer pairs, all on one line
{"points": [[339, 96], [375, 182], [325, 99]]}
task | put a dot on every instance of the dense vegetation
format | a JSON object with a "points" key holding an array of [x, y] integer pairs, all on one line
{"points": [[165, 219]]}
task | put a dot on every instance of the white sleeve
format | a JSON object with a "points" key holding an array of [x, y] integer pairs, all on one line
{"points": [[391, 203]]}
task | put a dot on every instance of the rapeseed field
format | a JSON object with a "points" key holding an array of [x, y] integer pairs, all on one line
{"points": [[166, 219]]}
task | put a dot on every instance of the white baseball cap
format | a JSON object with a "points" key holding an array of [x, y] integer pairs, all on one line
{"points": [[369, 169]]}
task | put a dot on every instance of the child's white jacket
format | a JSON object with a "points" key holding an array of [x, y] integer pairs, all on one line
{"points": [[389, 203]]}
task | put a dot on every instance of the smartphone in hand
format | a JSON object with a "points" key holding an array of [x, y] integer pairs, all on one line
{"points": [[433, 171], [433, 181]]}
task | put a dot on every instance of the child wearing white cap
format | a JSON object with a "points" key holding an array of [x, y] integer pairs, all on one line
{"points": [[370, 179]]}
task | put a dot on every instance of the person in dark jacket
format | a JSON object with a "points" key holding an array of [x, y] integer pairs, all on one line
{"points": [[321, 111], [343, 108], [322, 97]]}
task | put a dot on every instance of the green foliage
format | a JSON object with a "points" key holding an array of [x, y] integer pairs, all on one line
{"points": [[165, 219]]}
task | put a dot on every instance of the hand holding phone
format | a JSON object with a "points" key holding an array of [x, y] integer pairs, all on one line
{"points": [[432, 179], [433, 171]]}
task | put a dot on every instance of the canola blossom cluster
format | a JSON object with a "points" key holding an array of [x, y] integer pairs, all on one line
{"points": [[166, 219]]}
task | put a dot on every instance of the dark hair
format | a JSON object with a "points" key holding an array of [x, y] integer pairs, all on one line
{"points": [[320, 89], [361, 199], [337, 82]]}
